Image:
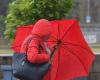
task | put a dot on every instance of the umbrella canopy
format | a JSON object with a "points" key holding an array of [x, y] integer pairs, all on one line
{"points": [[21, 33], [73, 58]]}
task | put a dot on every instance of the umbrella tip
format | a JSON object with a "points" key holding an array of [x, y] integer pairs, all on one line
{"points": [[59, 42]]}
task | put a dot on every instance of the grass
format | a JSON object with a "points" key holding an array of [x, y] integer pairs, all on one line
{"points": [[96, 49], [5, 51]]}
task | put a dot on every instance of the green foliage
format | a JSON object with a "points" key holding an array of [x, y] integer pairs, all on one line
{"points": [[24, 12]]}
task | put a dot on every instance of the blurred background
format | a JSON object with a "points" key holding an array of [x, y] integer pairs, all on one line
{"points": [[86, 11]]}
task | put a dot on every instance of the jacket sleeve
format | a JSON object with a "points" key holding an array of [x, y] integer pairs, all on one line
{"points": [[33, 53]]}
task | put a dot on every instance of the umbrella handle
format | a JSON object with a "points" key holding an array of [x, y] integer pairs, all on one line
{"points": [[51, 52], [56, 47]]}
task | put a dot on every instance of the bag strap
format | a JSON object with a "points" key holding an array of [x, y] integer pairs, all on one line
{"points": [[27, 44]]}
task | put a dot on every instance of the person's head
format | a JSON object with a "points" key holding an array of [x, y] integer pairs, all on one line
{"points": [[42, 29]]}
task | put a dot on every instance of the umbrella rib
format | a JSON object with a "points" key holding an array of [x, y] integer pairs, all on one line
{"points": [[58, 62], [78, 46], [76, 56], [58, 32], [67, 30]]}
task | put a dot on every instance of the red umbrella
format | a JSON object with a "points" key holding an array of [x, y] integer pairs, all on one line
{"points": [[21, 33], [74, 57]]}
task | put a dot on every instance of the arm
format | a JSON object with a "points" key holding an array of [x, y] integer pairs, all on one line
{"points": [[33, 53], [50, 50]]}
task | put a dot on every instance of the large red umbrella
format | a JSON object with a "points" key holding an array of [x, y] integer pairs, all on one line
{"points": [[73, 58]]}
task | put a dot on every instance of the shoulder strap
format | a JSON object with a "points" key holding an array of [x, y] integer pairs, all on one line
{"points": [[27, 44], [39, 48]]}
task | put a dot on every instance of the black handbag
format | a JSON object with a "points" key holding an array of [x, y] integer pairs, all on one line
{"points": [[24, 70]]}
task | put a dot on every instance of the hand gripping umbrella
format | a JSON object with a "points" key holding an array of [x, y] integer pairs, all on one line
{"points": [[73, 57]]}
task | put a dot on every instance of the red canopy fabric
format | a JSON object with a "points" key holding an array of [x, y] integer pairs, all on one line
{"points": [[73, 58], [21, 33]]}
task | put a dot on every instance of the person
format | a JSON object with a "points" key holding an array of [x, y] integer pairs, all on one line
{"points": [[40, 33], [38, 51]]}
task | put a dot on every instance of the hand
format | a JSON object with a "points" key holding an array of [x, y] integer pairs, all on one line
{"points": [[55, 46], [48, 50]]}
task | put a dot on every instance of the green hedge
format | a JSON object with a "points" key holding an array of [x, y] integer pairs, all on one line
{"points": [[24, 12]]}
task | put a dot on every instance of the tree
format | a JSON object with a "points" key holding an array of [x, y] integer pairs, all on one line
{"points": [[24, 12]]}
